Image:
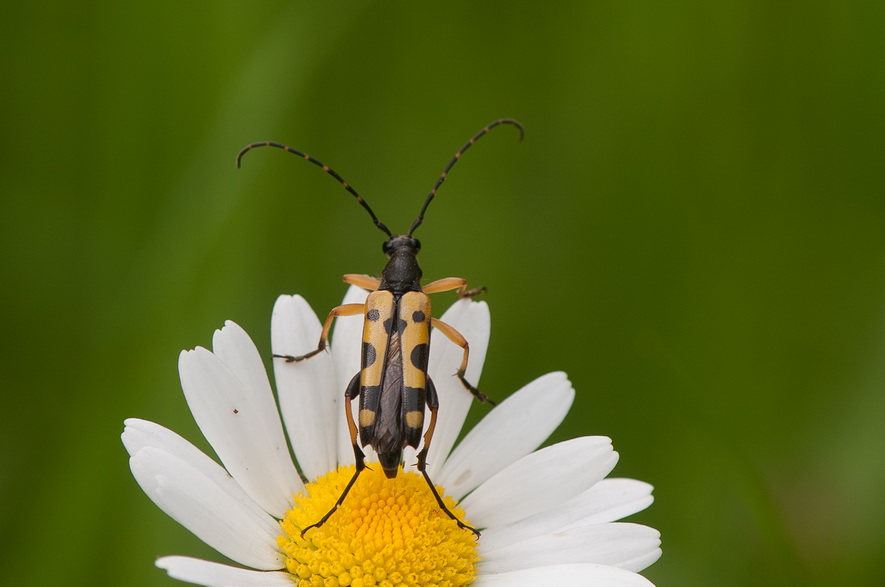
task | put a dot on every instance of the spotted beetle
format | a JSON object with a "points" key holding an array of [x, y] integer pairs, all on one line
{"points": [[393, 385]]}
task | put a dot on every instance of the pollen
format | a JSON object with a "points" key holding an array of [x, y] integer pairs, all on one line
{"points": [[387, 533]]}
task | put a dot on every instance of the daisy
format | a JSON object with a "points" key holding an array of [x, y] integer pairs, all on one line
{"points": [[547, 516]]}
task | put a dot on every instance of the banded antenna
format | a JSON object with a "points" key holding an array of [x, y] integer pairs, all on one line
{"points": [[455, 159], [381, 226]]}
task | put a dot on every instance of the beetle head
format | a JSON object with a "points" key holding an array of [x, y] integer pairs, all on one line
{"points": [[401, 243]]}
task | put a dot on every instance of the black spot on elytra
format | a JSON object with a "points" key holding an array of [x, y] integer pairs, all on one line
{"points": [[395, 325], [419, 356], [369, 354], [373, 314], [418, 316]]}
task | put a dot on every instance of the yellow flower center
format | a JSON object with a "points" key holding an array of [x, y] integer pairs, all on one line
{"points": [[388, 532]]}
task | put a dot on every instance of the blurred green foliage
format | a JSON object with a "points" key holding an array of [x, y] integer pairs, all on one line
{"points": [[693, 229]]}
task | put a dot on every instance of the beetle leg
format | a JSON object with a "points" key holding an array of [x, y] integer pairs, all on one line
{"points": [[445, 284], [472, 292], [450, 283], [343, 310], [433, 406], [364, 281], [351, 393], [458, 338]]}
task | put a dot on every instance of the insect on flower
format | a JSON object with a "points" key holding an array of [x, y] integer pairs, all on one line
{"points": [[392, 385]]}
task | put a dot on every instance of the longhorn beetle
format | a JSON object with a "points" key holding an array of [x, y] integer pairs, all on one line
{"points": [[393, 385]]}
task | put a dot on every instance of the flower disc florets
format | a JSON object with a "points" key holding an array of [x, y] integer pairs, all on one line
{"points": [[387, 532]]}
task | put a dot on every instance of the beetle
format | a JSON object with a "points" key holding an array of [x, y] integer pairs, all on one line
{"points": [[392, 385]]}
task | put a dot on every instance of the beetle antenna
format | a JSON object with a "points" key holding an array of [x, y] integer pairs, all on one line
{"points": [[325, 168], [455, 159]]}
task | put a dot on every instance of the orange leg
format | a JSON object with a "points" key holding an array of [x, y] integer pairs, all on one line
{"points": [[433, 406], [345, 310], [450, 283], [458, 338], [353, 390], [364, 281]]}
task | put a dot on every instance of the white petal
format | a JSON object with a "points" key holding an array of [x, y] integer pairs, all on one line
{"points": [[627, 546], [347, 345], [472, 320], [307, 389], [512, 430], [577, 575], [236, 350], [540, 481], [235, 422], [610, 500], [201, 572], [199, 504], [606, 501], [141, 434]]}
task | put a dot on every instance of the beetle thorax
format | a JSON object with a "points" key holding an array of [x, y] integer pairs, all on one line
{"points": [[402, 272]]}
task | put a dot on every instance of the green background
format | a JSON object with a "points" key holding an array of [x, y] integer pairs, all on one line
{"points": [[693, 229]]}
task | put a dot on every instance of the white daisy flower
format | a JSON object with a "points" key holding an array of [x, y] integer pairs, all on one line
{"points": [[547, 516]]}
